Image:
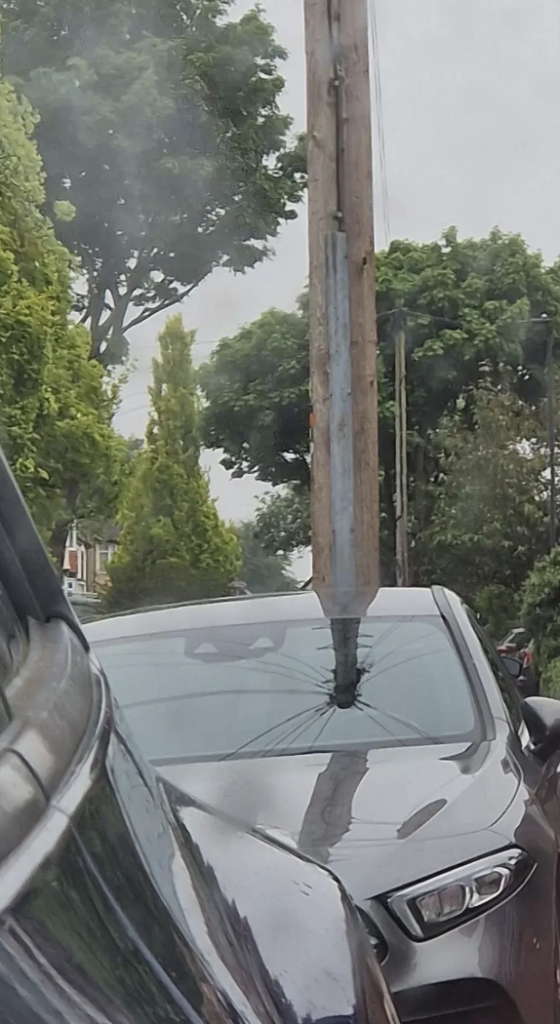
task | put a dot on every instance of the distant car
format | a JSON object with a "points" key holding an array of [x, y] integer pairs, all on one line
{"points": [[515, 642], [122, 900], [518, 645], [433, 796]]}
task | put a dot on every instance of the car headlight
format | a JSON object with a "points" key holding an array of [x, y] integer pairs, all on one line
{"points": [[453, 898]]}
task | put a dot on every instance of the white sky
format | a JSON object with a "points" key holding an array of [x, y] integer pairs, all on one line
{"points": [[472, 130]]}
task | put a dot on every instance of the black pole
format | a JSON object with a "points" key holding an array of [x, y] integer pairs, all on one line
{"points": [[551, 418]]}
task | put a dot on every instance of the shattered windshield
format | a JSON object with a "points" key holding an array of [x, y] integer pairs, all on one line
{"points": [[267, 689]]}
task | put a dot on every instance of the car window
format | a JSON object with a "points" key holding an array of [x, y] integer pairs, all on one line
{"points": [[506, 685], [257, 690], [517, 638]]}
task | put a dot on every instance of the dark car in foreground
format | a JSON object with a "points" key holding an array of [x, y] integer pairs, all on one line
{"points": [[122, 899], [434, 796]]}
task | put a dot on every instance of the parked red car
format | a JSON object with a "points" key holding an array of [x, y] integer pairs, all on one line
{"points": [[515, 642]]}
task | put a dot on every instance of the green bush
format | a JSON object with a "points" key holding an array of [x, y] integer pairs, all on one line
{"points": [[550, 679], [540, 613], [498, 607]]}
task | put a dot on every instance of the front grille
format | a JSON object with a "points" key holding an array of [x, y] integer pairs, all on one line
{"points": [[465, 1001], [375, 937]]}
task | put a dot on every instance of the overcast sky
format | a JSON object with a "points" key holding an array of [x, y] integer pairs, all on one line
{"points": [[472, 130]]}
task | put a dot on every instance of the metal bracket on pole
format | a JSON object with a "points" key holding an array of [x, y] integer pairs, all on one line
{"points": [[343, 540]]}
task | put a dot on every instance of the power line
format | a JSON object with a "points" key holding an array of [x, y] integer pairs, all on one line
{"points": [[129, 412], [135, 394]]}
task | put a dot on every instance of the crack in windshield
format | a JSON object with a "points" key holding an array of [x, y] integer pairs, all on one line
{"points": [[264, 690]]}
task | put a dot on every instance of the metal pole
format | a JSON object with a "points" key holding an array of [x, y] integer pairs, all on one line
{"points": [[551, 423], [343, 566], [323, 206], [401, 461], [344, 459]]}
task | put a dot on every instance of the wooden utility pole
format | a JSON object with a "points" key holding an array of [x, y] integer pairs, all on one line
{"points": [[401, 462], [343, 343]]}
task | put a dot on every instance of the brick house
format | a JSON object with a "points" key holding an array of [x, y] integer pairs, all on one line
{"points": [[89, 549]]}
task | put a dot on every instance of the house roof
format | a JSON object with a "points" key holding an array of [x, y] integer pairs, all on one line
{"points": [[91, 533]]}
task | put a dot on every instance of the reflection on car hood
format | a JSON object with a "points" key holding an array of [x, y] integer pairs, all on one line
{"points": [[377, 818]]}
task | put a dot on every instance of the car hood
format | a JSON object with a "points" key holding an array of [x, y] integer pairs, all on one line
{"points": [[377, 818]]}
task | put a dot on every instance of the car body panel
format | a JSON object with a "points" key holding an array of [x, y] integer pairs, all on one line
{"points": [[246, 610], [383, 819], [117, 905], [420, 800], [143, 913]]}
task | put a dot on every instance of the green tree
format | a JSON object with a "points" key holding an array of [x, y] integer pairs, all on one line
{"points": [[540, 614], [467, 304], [490, 514], [282, 522], [256, 387], [283, 525], [262, 571], [173, 545], [161, 130], [98, 522], [81, 457], [55, 406]]}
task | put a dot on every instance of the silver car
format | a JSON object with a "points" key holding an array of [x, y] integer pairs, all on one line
{"points": [[433, 796]]}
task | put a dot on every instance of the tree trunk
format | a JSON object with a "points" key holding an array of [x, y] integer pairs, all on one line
{"points": [[95, 325], [420, 484], [388, 553], [59, 535], [107, 333], [419, 509], [57, 542]]}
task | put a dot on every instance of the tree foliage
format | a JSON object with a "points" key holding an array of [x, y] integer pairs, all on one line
{"points": [[256, 386], [540, 614], [165, 150], [282, 522], [55, 406], [262, 571], [489, 517], [468, 305], [173, 545]]}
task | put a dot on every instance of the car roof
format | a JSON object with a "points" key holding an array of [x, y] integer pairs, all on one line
{"points": [[239, 611]]}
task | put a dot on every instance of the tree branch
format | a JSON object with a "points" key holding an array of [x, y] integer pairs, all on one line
{"points": [[166, 304], [141, 264], [102, 330]]}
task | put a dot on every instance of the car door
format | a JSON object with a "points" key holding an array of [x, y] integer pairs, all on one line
{"points": [[543, 779], [117, 905]]}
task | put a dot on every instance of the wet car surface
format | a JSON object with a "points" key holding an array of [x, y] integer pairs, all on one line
{"points": [[399, 817], [123, 901]]}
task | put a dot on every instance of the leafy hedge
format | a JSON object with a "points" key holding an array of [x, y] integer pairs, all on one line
{"points": [[541, 616]]}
